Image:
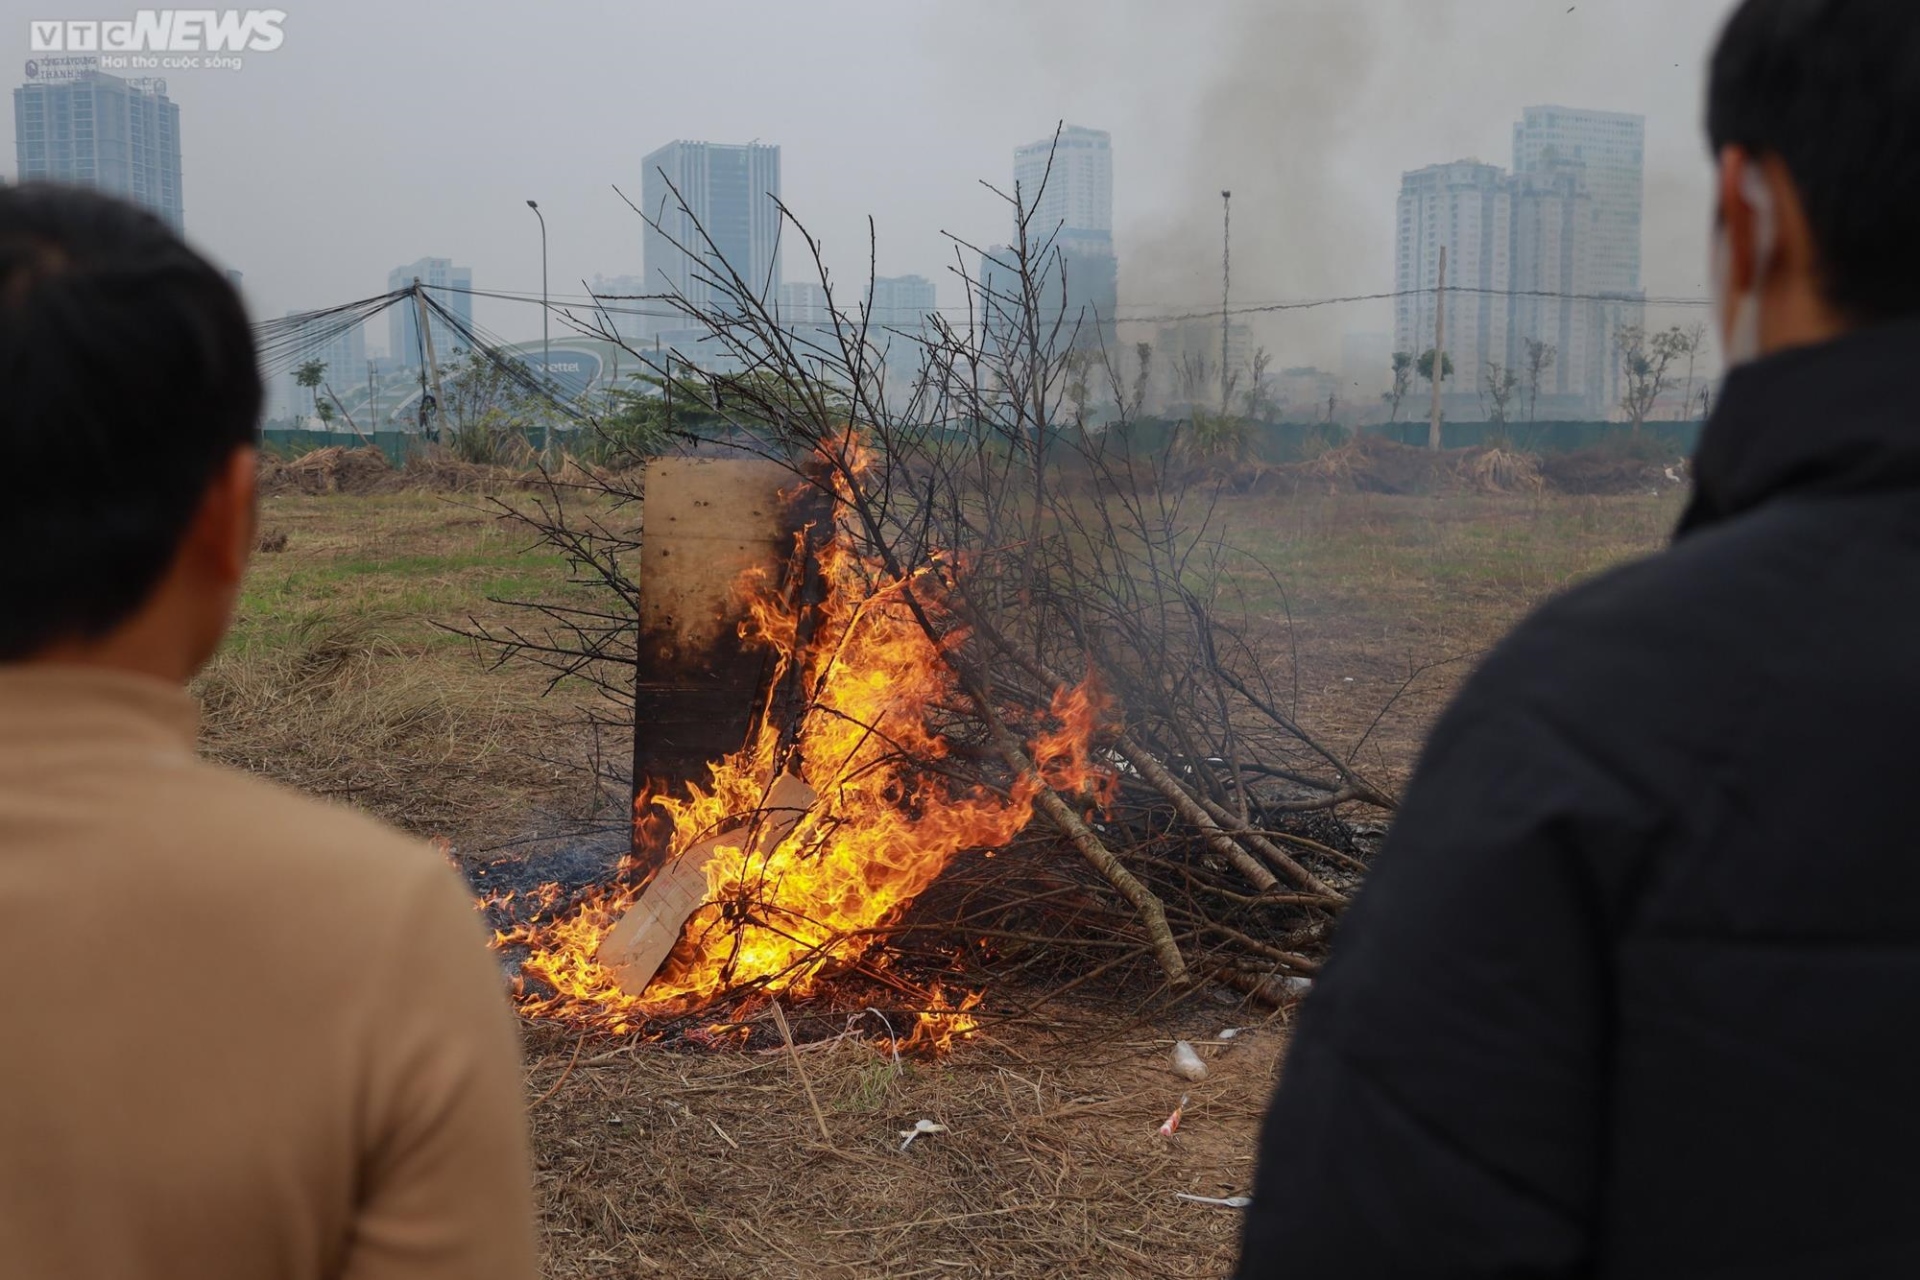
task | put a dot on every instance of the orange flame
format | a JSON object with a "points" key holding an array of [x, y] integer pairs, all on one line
{"points": [[936, 1028], [886, 823]]}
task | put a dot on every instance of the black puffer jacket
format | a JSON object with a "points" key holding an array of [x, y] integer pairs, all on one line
{"points": [[1634, 990]]}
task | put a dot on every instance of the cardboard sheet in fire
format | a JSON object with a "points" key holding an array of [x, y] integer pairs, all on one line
{"points": [[639, 943]]}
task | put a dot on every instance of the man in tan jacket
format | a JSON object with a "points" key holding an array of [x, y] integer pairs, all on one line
{"points": [[242, 1034]]}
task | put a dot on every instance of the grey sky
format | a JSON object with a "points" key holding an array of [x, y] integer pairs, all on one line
{"points": [[382, 132]]}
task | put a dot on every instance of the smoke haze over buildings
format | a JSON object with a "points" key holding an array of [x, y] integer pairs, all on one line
{"points": [[378, 134]]}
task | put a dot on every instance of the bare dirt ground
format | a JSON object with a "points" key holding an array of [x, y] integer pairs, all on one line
{"points": [[721, 1164]]}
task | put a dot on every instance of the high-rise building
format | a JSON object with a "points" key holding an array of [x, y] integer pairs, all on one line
{"points": [[1609, 149], [718, 216], [1068, 187], [1545, 257], [902, 302], [446, 284], [1069, 184], [340, 346], [1076, 314], [1584, 172], [622, 308], [1554, 291], [1465, 207], [898, 324], [803, 302], [96, 130]]}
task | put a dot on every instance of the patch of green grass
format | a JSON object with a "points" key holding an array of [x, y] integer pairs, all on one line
{"points": [[871, 1088], [412, 558], [413, 721]]}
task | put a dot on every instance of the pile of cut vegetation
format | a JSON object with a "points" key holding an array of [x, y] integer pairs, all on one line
{"points": [[337, 469], [1374, 464], [1623, 465], [334, 469], [439, 471]]}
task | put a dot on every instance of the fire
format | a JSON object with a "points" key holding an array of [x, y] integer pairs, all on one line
{"points": [[937, 1027], [886, 823]]}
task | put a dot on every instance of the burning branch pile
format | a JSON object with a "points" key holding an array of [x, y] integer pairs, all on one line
{"points": [[885, 808], [1023, 634]]}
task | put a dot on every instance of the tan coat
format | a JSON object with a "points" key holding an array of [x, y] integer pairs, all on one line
{"points": [[242, 1033]]}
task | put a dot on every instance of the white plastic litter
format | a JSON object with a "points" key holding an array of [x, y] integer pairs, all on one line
{"points": [[1231, 1032], [919, 1127], [1225, 1202], [1187, 1064]]}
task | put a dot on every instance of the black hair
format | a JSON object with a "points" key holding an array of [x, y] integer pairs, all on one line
{"points": [[127, 380], [1832, 89]]}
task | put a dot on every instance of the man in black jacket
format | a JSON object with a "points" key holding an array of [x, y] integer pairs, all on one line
{"points": [[1635, 988]]}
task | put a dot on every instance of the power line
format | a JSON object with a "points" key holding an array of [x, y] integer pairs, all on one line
{"points": [[1209, 313], [283, 340]]}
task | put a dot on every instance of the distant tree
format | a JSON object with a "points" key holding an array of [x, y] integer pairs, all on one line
{"points": [[490, 403], [325, 409], [1078, 366], [1696, 338], [1540, 357], [1499, 382], [1142, 377], [1259, 394], [1646, 361], [1402, 382], [1193, 373], [310, 375]]}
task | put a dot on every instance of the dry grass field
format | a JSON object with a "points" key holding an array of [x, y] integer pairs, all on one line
{"points": [[342, 680]]}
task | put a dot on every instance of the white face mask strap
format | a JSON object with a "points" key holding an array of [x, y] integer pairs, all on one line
{"points": [[1759, 197], [1743, 337]]}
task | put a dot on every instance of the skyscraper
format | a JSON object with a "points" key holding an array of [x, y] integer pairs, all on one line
{"points": [[1549, 254], [1076, 192], [1609, 148], [97, 130], [1554, 246], [730, 193], [1069, 189], [902, 302], [1467, 208], [804, 302], [897, 323], [446, 284], [1595, 160]]}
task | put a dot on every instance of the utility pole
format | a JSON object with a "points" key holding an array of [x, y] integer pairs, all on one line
{"points": [[546, 344], [433, 361], [373, 413], [1439, 350], [1226, 289]]}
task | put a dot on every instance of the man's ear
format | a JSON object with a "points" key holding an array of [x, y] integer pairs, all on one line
{"points": [[225, 527]]}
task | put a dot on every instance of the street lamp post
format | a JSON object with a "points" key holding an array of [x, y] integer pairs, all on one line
{"points": [[546, 343]]}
